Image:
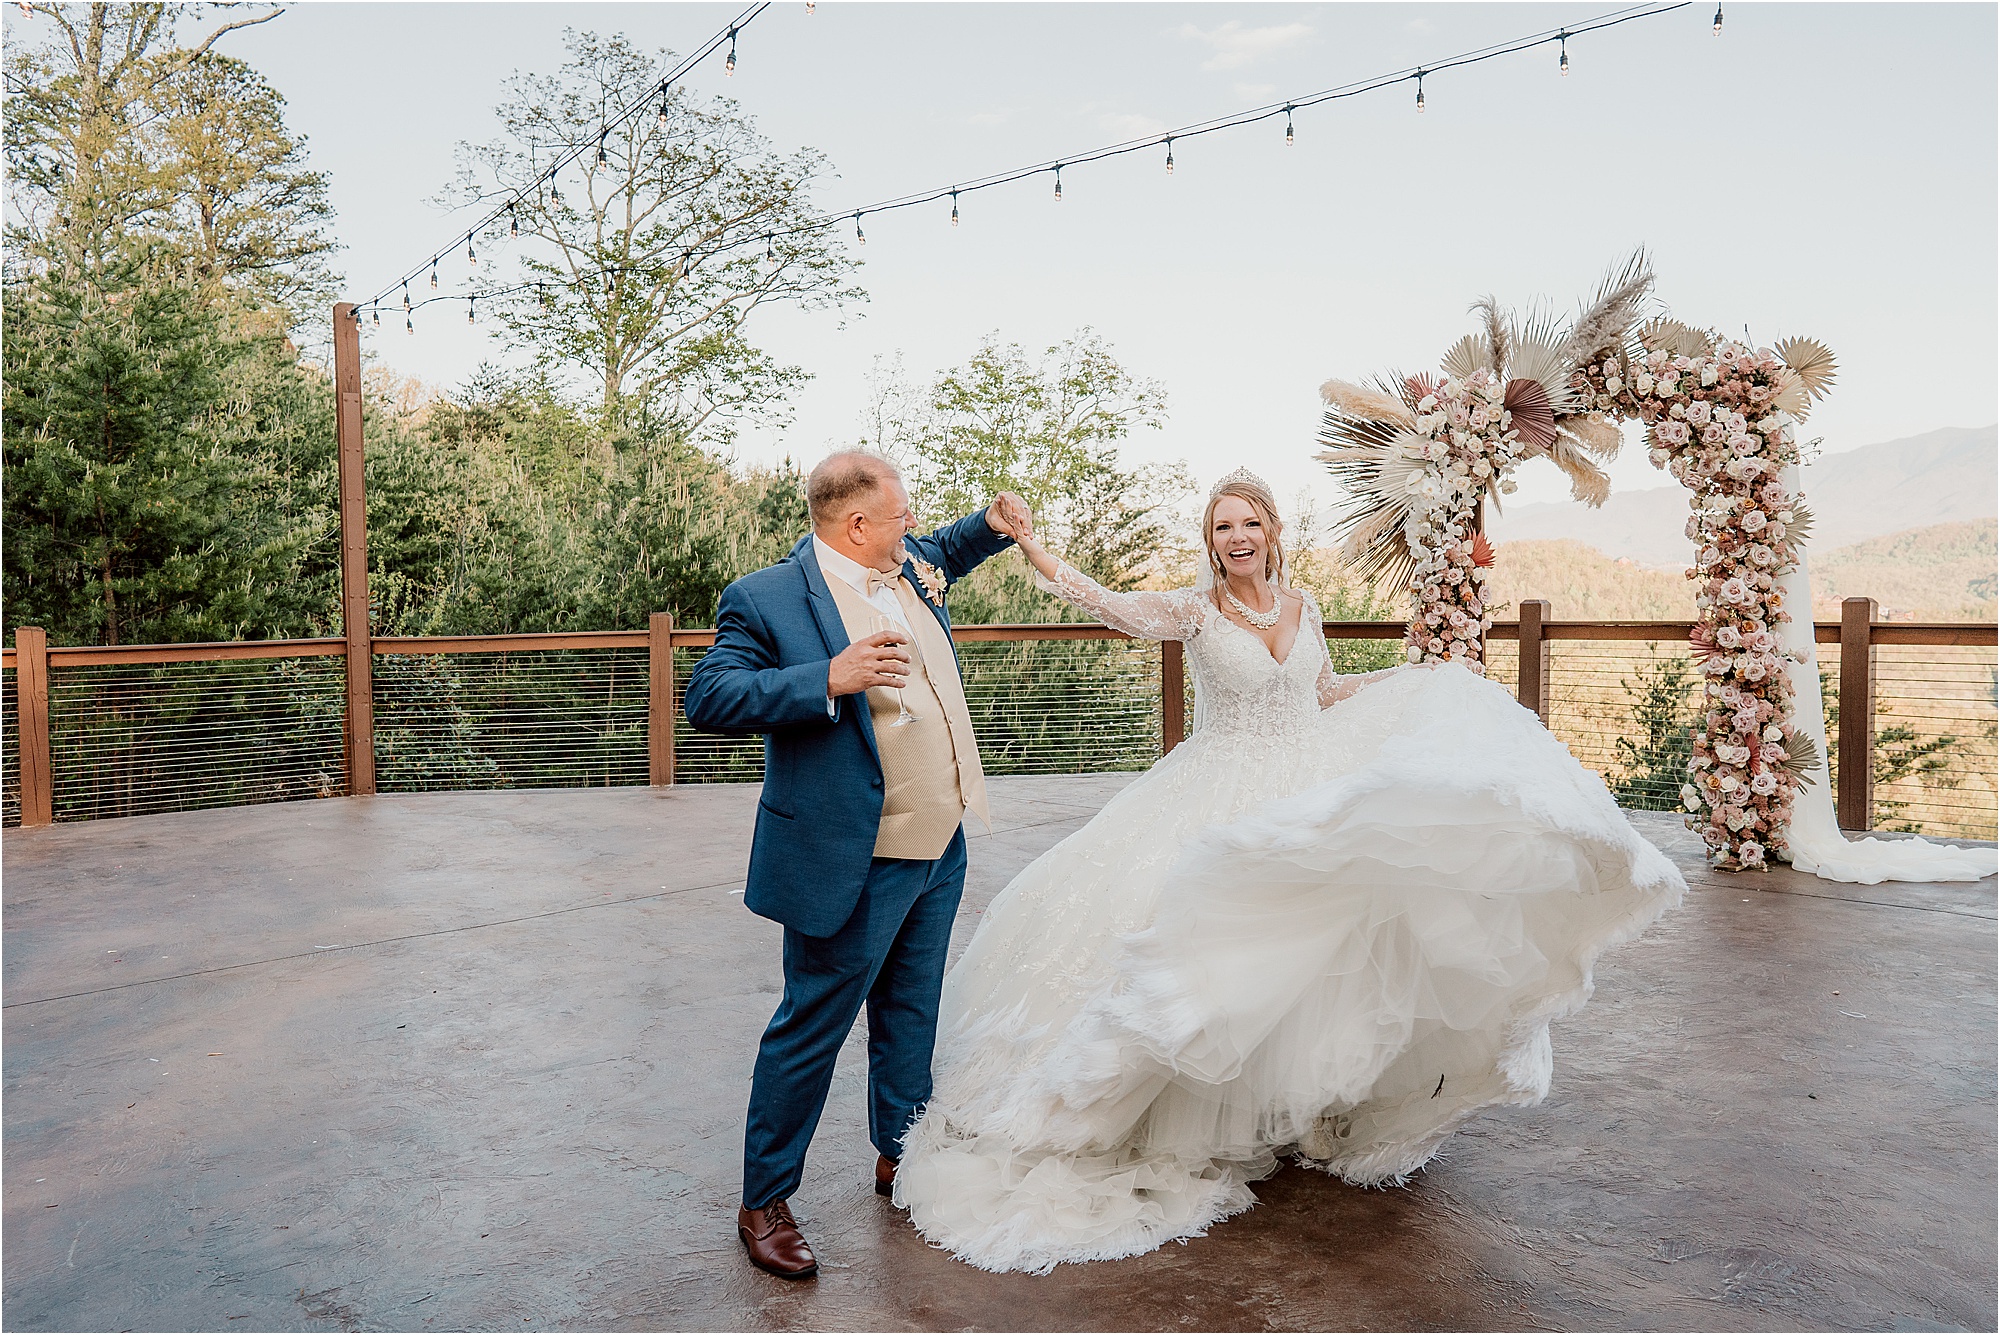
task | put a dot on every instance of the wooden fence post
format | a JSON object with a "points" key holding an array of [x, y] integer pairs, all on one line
{"points": [[354, 553], [31, 697], [660, 699], [1173, 695], [1856, 799], [1533, 688]]}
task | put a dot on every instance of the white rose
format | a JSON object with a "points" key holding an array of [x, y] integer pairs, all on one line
{"points": [[1612, 384], [1508, 487], [1708, 376]]}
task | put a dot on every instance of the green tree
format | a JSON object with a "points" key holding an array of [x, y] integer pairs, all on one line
{"points": [[120, 141], [152, 491], [650, 262], [1654, 757]]}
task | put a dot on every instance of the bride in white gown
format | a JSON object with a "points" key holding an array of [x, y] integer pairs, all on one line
{"points": [[1332, 924]]}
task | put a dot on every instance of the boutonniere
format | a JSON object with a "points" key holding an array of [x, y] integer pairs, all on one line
{"points": [[932, 579]]}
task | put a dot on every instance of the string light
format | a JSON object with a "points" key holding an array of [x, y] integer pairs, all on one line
{"points": [[470, 317], [809, 8], [1289, 109], [513, 222], [1718, 18], [729, 65], [470, 258], [406, 298], [434, 273], [770, 251], [1562, 66], [409, 325], [375, 317], [663, 106], [1058, 183], [602, 160]]}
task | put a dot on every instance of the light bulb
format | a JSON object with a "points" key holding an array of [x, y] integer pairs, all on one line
{"points": [[859, 236], [1562, 65], [409, 325], [601, 158], [1420, 93], [555, 194], [770, 253], [1288, 126], [729, 64], [434, 273], [809, 8], [663, 107], [1718, 18], [513, 222], [470, 317], [1170, 155], [470, 258], [954, 208], [375, 317], [1059, 183], [406, 298]]}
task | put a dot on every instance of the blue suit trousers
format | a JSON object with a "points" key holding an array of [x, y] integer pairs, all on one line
{"points": [[889, 956]]}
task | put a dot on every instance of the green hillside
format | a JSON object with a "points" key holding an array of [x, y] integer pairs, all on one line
{"points": [[1942, 572]]}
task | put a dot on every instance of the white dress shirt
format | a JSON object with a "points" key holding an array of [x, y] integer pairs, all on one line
{"points": [[840, 566]]}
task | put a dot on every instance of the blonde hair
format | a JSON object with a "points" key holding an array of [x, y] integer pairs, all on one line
{"points": [[1265, 505]]}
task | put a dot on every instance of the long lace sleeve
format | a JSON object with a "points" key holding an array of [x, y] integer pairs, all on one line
{"points": [[1175, 614], [1333, 687]]}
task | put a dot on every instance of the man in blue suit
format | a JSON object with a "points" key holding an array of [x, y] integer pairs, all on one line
{"points": [[841, 656]]}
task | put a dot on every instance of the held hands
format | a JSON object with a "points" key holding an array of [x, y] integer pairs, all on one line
{"points": [[1009, 515], [873, 660]]}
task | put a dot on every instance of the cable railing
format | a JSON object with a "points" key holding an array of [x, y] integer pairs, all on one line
{"points": [[143, 729]]}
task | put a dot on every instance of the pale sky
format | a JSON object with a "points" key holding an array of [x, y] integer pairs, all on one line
{"points": [[1826, 169]]}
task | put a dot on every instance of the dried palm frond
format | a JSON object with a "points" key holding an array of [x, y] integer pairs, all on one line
{"points": [[1799, 531], [1801, 758], [1499, 343], [1469, 354], [1370, 461], [1594, 433], [1812, 361], [1791, 396], [1528, 402], [1482, 551], [1416, 388], [1602, 326], [1587, 482], [1537, 355], [1365, 402], [1679, 339]]}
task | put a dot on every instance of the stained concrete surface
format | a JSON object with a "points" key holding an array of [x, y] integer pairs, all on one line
{"points": [[478, 1061]]}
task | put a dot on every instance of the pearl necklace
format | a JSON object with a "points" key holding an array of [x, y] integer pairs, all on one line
{"points": [[1261, 620]]}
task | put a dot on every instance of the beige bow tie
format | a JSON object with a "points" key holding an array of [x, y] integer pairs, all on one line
{"points": [[878, 580]]}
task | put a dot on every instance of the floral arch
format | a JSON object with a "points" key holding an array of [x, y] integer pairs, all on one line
{"points": [[1420, 454]]}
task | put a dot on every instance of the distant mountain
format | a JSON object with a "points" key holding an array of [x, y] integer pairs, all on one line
{"points": [[1939, 477], [1943, 572], [1583, 584]]}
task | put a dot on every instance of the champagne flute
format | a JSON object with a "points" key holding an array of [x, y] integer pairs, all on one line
{"points": [[876, 625]]}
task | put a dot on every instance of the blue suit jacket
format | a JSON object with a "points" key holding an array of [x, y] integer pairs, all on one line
{"points": [[775, 633]]}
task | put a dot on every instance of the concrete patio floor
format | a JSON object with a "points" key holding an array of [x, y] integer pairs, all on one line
{"points": [[479, 1060]]}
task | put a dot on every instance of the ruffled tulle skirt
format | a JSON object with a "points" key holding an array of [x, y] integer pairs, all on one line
{"points": [[1335, 946]]}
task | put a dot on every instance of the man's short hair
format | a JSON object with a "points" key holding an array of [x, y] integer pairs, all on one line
{"points": [[838, 479]]}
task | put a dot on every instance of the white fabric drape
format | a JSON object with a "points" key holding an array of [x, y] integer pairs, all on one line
{"points": [[1817, 844]]}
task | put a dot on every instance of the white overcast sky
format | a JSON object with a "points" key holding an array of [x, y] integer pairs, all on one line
{"points": [[1827, 169]]}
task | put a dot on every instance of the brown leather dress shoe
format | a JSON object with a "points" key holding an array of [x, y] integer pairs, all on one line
{"points": [[774, 1242], [885, 1175]]}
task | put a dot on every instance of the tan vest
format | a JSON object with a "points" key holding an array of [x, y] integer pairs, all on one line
{"points": [[930, 766]]}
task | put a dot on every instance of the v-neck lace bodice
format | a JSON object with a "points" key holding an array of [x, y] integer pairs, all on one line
{"points": [[1241, 689]]}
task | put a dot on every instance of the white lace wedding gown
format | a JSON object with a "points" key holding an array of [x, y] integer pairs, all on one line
{"points": [[1334, 922]]}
